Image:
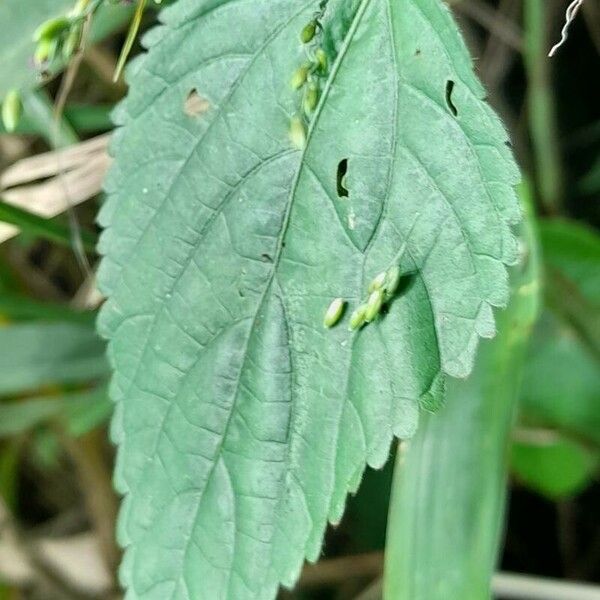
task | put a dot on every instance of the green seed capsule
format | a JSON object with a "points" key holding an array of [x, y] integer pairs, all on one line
{"points": [[308, 33], [12, 107], [321, 59], [45, 51], [334, 312], [374, 304], [72, 43], [51, 29], [299, 77], [377, 283], [392, 281], [311, 98], [357, 319], [297, 132]]}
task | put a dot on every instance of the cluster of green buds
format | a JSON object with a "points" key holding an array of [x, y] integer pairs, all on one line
{"points": [[60, 37], [308, 77], [380, 291]]}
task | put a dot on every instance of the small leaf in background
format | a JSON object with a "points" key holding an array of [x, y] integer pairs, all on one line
{"points": [[561, 382], [557, 468], [79, 412], [37, 354]]}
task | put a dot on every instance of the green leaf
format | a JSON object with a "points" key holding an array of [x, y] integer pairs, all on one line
{"points": [[574, 249], [37, 354], [556, 469], [80, 412], [561, 387], [242, 422], [561, 383]]}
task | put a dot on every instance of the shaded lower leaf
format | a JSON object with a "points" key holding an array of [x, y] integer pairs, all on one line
{"points": [[243, 422], [557, 469], [37, 354]]}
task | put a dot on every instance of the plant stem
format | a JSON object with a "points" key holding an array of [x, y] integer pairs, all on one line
{"points": [[541, 107]]}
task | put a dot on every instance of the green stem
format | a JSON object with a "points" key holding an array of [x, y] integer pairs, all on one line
{"points": [[449, 488], [541, 108]]}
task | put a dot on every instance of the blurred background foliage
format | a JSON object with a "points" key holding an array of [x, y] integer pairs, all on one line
{"points": [[57, 507]]}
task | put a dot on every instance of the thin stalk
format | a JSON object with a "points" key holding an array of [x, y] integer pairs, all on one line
{"points": [[541, 107]]}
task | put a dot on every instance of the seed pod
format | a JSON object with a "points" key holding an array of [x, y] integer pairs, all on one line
{"points": [[377, 283], [374, 304], [392, 281], [12, 107], [311, 98], [321, 59], [334, 312], [45, 51], [308, 33], [51, 29], [297, 132], [299, 77], [357, 319], [72, 42]]}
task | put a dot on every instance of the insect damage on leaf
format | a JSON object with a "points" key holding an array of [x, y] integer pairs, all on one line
{"points": [[242, 422]]}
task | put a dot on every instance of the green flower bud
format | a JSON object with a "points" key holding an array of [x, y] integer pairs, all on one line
{"points": [[377, 283], [334, 312], [392, 281], [297, 132], [308, 33], [357, 319], [12, 108], [311, 98], [51, 29], [299, 77], [374, 304], [321, 59]]}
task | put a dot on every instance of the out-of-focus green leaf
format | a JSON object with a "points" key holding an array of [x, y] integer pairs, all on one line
{"points": [[561, 382], [79, 412], [590, 184], [17, 307], [37, 354], [574, 250], [449, 484], [84, 412], [556, 469], [49, 229], [17, 417], [20, 19]]}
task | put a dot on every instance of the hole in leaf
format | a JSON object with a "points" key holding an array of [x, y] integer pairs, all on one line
{"points": [[449, 90], [195, 105], [342, 170]]}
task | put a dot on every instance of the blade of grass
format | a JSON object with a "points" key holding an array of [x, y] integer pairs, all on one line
{"points": [[447, 505], [45, 228], [17, 307]]}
